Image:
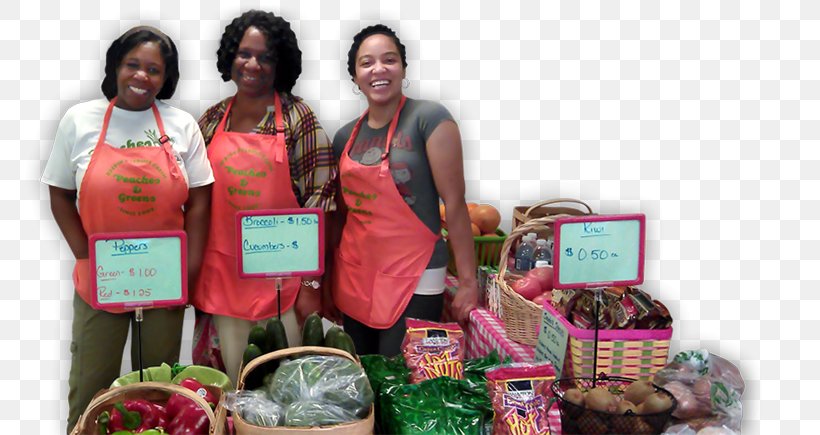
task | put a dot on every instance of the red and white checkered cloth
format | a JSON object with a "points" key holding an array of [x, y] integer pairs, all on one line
{"points": [[486, 332]]}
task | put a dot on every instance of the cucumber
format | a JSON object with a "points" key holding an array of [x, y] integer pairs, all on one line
{"points": [[277, 339], [251, 352], [312, 331], [345, 343], [259, 337], [332, 336]]}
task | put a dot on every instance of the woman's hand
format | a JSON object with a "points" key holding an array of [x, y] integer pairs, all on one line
{"points": [[465, 301], [65, 213]]}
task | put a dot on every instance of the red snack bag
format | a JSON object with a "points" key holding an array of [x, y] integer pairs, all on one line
{"points": [[432, 350], [520, 394]]}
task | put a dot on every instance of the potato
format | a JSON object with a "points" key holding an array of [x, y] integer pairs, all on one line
{"points": [[625, 405], [637, 391], [574, 396], [655, 403], [599, 399]]}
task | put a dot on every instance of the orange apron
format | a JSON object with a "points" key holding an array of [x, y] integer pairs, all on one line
{"points": [[385, 247], [129, 189], [251, 172]]}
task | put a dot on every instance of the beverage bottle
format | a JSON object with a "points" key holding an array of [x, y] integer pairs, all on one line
{"points": [[542, 256], [523, 255]]}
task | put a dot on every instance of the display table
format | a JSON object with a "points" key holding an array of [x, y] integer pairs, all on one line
{"points": [[486, 332]]}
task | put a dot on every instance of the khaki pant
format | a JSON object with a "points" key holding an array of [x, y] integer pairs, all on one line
{"points": [[97, 342], [233, 338]]}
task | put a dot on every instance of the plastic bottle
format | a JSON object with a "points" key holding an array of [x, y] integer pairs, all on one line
{"points": [[542, 256], [523, 255]]}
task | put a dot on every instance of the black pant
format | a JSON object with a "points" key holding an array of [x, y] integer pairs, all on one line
{"points": [[387, 342]]}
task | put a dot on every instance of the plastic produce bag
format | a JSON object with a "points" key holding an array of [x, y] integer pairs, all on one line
{"points": [[708, 389], [322, 378], [313, 413], [437, 406], [255, 407]]}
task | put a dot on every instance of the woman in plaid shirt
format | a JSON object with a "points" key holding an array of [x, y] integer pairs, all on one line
{"points": [[268, 151]]}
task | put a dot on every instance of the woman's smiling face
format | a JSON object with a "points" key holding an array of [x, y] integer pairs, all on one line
{"points": [[140, 77], [379, 69], [254, 69]]}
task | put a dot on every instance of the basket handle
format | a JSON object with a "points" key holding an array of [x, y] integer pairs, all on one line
{"points": [[556, 201], [282, 353], [112, 393], [532, 225]]}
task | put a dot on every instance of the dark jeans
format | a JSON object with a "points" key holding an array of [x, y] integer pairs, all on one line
{"points": [[387, 342]]}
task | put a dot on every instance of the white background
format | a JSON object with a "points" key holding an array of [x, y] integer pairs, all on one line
{"points": [[702, 115]]}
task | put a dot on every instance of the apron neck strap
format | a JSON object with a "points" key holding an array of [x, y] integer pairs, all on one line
{"points": [[277, 107], [385, 165], [163, 138]]}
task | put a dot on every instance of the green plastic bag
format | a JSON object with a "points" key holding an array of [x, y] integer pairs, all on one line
{"points": [[436, 406]]}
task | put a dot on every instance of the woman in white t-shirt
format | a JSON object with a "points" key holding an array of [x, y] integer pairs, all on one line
{"points": [[127, 163]]}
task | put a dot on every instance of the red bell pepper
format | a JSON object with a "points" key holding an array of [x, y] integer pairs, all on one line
{"points": [[175, 403], [196, 386], [134, 415], [190, 420]]}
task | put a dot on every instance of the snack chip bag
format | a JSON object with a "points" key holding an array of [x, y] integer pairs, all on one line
{"points": [[433, 349], [520, 395]]}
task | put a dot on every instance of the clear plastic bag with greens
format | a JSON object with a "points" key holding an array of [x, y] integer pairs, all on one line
{"points": [[325, 379], [255, 408]]}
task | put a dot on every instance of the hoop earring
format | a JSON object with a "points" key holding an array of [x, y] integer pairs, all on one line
{"points": [[405, 83], [356, 90]]}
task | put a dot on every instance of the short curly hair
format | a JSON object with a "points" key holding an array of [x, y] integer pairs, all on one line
{"points": [[125, 43], [378, 29], [279, 38]]}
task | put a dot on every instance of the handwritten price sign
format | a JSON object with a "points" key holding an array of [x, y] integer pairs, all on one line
{"points": [[280, 243], [599, 251], [552, 340], [138, 269]]}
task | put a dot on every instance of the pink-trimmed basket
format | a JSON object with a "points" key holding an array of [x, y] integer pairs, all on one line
{"points": [[632, 353]]}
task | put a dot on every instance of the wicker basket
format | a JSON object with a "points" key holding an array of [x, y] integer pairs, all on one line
{"points": [[634, 353], [576, 419], [156, 392], [525, 213], [522, 318], [242, 427]]}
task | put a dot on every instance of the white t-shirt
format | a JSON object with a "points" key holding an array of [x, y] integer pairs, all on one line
{"points": [[80, 129]]}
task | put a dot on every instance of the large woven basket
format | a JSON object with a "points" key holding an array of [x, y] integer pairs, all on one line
{"points": [[633, 353], [547, 208], [156, 392], [242, 427], [522, 318]]}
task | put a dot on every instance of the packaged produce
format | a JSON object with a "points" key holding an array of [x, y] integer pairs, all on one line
{"points": [[520, 396], [328, 379], [439, 406], [255, 407], [433, 350], [708, 389]]}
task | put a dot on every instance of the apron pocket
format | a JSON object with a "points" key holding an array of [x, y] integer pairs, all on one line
{"points": [[391, 294]]}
